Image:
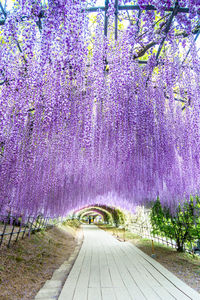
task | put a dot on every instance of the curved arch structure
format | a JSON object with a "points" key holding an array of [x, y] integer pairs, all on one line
{"points": [[97, 209], [91, 212]]}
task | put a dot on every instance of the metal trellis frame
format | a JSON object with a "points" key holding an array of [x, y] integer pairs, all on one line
{"points": [[175, 10]]}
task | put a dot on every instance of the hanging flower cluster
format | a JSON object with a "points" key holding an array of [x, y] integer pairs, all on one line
{"points": [[82, 126]]}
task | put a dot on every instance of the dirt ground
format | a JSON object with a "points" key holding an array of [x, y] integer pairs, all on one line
{"points": [[184, 265], [26, 266]]}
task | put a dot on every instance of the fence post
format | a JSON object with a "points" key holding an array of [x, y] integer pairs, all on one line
{"points": [[46, 221], [20, 226], [13, 227], [153, 255], [40, 224], [36, 223], [31, 227], [25, 228], [4, 230]]}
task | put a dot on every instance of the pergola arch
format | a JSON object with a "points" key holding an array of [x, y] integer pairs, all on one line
{"points": [[98, 209], [92, 213]]}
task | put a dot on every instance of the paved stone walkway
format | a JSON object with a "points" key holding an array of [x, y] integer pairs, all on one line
{"points": [[107, 269]]}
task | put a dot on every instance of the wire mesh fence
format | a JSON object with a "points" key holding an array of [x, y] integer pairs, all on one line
{"points": [[145, 232]]}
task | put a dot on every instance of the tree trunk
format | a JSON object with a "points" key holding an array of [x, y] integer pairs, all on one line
{"points": [[180, 249], [179, 246]]}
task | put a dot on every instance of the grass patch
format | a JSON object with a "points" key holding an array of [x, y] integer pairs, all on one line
{"points": [[119, 232], [19, 259]]}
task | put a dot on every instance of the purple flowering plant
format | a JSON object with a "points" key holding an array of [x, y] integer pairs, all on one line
{"points": [[83, 121]]}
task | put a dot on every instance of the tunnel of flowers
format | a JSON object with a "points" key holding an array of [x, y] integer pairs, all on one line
{"points": [[100, 103]]}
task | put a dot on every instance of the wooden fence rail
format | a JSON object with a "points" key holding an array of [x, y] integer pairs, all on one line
{"points": [[12, 227]]}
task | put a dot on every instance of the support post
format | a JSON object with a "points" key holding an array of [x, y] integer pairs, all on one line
{"points": [[106, 18], [153, 255], [116, 19], [124, 234]]}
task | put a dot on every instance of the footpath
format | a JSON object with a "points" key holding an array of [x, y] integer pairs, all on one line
{"points": [[107, 269]]}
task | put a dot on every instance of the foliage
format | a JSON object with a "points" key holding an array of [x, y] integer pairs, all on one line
{"points": [[115, 215], [107, 218], [72, 223], [118, 217], [181, 225]]}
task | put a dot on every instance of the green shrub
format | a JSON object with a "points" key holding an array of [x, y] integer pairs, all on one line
{"points": [[107, 218], [183, 225], [118, 217], [72, 223]]}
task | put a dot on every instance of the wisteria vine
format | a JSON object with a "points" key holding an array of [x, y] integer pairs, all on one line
{"points": [[83, 122]]}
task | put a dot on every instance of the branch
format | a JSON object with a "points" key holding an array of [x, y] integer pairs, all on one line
{"points": [[20, 50], [2, 82], [169, 22], [151, 44], [144, 50], [140, 36], [3, 11], [176, 99], [185, 34]]}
